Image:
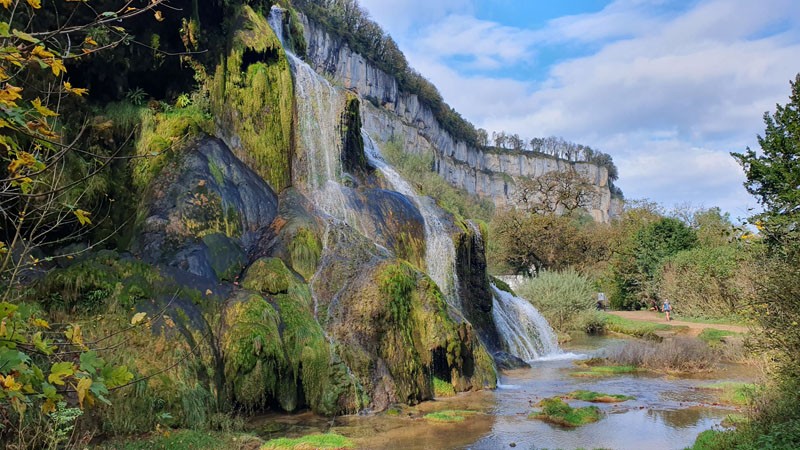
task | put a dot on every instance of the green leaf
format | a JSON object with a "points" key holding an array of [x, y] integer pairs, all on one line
{"points": [[4, 29], [100, 391], [7, 309], [42, 345], [59, 371], [11, 360], [116, 376], [90, 363], [49, 391]]}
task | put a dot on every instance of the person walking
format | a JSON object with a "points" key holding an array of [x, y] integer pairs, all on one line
{"points": [[667, 308]]}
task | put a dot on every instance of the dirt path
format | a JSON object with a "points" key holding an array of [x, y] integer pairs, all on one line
{"points": [[694, 328]]}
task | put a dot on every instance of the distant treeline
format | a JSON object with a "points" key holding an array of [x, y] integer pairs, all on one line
{"points": [[554, 146], [349, 21]]}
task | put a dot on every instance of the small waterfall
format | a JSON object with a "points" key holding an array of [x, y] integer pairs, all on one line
{"points": [[440, 253], [275, 21], [525, 332]]}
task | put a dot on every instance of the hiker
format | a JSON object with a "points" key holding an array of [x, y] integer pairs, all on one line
{"points": [[667, 308], [601, 301]]}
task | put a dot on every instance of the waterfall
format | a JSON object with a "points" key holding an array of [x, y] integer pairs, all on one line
{"points": [[524, 331], [440, 253], [275, 21]]}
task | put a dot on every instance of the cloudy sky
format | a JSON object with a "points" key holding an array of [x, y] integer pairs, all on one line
{"points": [[667, 87]]}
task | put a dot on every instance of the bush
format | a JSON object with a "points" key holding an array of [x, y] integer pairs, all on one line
{"points": [[561, 297], [708, 282], [673, 355]]}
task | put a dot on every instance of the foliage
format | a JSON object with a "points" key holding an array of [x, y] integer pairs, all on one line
{"points": [[734, 393], [554, 410], [554, 192], [560, 296], [709, 281], [604, 371], [597, 397], [184, 440], [712, 336], [528, 243], [312, 441]]}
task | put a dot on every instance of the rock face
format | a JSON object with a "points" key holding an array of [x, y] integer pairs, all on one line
{"points": [[204, 212], [389, 114]]}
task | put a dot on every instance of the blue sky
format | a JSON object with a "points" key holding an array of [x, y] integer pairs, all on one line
{"points": [[668, 88]]}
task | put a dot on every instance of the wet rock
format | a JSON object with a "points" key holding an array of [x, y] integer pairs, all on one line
{"points": [[507, 361]]}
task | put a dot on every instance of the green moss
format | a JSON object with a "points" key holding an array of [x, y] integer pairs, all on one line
{"points": [[253, 351], [733, 393], [161, 137], [449, 415], [443, 388], [554, 410], [270, 276], [216, 172], [604, 371], [255, 101], [182, 440], [226, 257], [502, 285], [712, 336], [638, 328], [305, 250], [313, 441], [597, 397]]}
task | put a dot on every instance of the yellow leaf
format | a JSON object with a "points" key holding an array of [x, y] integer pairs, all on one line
{"points": [[41, 323], [43, 110], [159, 16], [48, 406], [77, 91], [83, 216], [9, 383], [60, 370], [82, 389], [9, 95], [42, 53], [74, 335], [35, 4], [23, 159], [3, 248], [89, 41], [3, 74], [6, 3], [138, 318], [38, 126], [56, 65]]}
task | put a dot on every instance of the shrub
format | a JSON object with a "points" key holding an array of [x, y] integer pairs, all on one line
{"points": [[676, 354], [561, 297], [554, 410]]}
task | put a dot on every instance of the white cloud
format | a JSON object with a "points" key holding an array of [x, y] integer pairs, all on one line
{"points": [[667, 92], [398, 16]]}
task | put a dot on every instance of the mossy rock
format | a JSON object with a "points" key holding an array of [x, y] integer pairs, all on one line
{"points": [[269, 276], [253, 98], [554, 410], [225, 256]]}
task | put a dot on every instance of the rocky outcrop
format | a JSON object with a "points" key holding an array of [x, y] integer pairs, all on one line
{"points": [[390, 113]]}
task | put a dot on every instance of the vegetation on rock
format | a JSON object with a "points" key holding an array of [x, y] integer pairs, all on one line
{"points": [[556, 411]]}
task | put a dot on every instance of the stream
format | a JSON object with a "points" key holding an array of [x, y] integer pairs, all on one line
{"points": [[668, 412]]}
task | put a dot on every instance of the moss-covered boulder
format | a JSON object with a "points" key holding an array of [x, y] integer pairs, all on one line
{"points": [[203, 212], [391, 327], [253, 98]]}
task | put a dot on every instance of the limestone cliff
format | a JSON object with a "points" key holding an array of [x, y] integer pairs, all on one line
{"points": [[389, 113]]}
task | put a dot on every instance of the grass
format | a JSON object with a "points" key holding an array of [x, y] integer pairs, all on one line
{"points": [[712, 336], [597, 397], [554, 410], [733, 393], [310, 442], [183, 440], [596, 368], [638, 328], [443, 388], [449, 415]]}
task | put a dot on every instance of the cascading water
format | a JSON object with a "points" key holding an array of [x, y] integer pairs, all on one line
{"points": [[525, 332], [440, 253]]}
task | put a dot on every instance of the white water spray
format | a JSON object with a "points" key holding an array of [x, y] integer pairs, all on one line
{"points": [[525, 332]]}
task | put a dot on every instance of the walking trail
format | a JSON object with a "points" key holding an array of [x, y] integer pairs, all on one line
{"points": [[694, 327]]}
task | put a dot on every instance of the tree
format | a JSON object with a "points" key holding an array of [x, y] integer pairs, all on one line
{"points": [[46, 177], [773, 176], [555, 192]]}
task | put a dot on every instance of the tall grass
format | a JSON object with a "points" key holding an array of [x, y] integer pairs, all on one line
{"points": [[672, 355]]}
